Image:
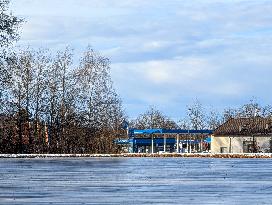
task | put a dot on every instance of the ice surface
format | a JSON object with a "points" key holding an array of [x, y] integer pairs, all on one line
{"points": [[135, 181]]}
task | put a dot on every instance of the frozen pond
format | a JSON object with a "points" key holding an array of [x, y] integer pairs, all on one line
{"points": [[135, 181]]}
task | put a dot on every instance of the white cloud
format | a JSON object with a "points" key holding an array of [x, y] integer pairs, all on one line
{"points": [[164, 52]]}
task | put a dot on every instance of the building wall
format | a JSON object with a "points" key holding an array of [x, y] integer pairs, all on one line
{"points": [[223, 144]]}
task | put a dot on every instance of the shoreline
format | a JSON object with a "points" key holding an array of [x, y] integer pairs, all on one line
{"points": [[142, 155]]}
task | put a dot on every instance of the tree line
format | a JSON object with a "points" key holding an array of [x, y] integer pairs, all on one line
{"points": [[49, 104], [198, 117]]}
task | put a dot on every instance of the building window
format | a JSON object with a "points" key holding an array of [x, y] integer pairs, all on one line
{"points": [[223, 149]]}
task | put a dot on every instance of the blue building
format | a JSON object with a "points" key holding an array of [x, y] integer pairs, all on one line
{"points": [[166, 140]]}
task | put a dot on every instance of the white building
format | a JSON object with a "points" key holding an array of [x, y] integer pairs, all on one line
{"points": [[243, 135]]}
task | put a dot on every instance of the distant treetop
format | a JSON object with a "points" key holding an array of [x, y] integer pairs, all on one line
{"points": [[9, 25]]}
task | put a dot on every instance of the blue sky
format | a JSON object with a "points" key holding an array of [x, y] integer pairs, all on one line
{"points": [[165, 53]]}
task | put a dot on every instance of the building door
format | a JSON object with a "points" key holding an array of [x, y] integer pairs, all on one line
{"points": [[248, 147], [270, 150]]}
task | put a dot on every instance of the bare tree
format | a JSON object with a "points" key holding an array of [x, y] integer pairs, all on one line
{"points": [[20, 91], [9, 25], [99, 104], [248, 110], [214, 119], [153, 118], [58, 106], [196, 115], [267, 111], [251, 109]]}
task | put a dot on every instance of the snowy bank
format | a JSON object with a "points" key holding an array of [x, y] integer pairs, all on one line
{"points": [[196, 155]]}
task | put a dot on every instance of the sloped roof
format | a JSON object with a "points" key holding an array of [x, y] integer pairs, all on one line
{"points": [[245, 127]]}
